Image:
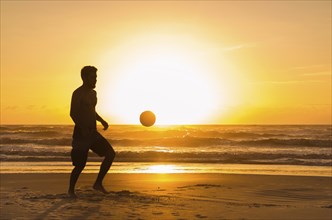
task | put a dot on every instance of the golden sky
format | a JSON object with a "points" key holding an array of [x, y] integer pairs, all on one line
{"points": [[220, 62]]}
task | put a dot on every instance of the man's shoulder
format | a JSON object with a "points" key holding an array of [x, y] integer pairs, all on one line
{"points": [[78, 91], [82, 91]]}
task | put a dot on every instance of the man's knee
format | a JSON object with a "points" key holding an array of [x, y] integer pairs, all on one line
{"points": [[79, 158], [110, 154], [79, 167]]}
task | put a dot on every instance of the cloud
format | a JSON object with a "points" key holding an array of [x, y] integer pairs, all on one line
{"points": [[239, 46], [31, 107], [311, 70], [28, 107], [314, 66], [11, 107], [323, 73], [288, 82]]}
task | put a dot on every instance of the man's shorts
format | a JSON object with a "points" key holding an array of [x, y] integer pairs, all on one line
{"points": [[99, 145]]}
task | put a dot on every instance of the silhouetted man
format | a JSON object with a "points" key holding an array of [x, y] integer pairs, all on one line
{"points": [[86, 136]]}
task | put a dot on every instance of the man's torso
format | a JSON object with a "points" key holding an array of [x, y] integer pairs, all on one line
{"points": [[86, 101]]}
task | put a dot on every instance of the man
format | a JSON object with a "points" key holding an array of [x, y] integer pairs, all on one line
{"points": [[86, 136]]}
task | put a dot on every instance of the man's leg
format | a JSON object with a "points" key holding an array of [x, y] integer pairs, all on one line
{"points": [[79, 158], [104, 167], [73, 179]]}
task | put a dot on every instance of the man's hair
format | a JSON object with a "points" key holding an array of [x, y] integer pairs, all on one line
{"points": [[85, 71]]}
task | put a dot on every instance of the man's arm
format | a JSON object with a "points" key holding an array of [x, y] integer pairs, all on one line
{"points": [[102, 121], [74, 108]]}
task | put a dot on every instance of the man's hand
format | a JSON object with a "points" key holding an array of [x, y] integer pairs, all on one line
{"points": [[102, 121], [105, 124]]}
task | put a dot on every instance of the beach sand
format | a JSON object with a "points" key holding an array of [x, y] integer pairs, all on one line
{"points": [[167, 196]]}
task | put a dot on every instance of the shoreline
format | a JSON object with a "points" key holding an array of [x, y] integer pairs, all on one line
{"points": [[168, 167], [167, 196]]}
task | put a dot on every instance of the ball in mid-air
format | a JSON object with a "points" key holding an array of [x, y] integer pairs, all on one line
{"points": [[147, 118]]}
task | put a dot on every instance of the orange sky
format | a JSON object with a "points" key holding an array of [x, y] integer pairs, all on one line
{"points": [[191, 62]]}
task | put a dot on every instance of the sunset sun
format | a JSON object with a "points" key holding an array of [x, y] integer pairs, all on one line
{"points": [[167, 75]]}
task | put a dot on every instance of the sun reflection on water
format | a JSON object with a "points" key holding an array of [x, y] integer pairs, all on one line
{"points": [[163, 169]]}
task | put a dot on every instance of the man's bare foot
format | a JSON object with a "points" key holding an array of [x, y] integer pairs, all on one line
{"points": [[72, 195], [100, 188]]}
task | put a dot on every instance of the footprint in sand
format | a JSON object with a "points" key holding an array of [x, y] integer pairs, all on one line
{"points": [[203, 186], [200, 216], [175, 214], [132, 214], [92, 199], [144, 206], [157, 213], [124, 193]]}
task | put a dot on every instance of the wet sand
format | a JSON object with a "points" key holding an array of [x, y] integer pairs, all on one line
{"points": [[167, 196]]}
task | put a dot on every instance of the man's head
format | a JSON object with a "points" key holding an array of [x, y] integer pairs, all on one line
{"points": [[89, 76]]}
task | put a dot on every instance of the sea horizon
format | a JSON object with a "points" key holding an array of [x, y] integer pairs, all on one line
{"points": [[162, 125]]}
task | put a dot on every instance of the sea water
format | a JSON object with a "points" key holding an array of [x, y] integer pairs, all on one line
{"points": [[254, 149]]}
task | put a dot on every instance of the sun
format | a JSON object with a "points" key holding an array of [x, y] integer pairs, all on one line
{"points": [[167, 76]]}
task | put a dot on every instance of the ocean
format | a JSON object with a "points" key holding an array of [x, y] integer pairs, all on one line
{"points": [[248, 149]]}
